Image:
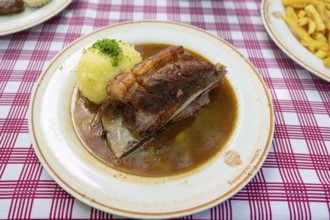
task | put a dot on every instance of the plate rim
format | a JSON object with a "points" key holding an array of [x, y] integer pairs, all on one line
{"points": [[24, 26], [122, 212], [277, 40]]}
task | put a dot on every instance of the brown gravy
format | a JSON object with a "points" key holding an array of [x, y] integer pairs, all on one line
{"points": [[180, 147]]}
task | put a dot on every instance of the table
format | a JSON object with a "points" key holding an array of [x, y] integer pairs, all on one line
{"points": [[294, 181]]}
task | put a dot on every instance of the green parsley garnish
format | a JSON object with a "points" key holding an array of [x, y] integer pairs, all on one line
{"points": [[109, 47]]}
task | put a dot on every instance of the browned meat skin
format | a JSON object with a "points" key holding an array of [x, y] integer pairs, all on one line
{"points": [[157, 87], [127, 81], [120, 86], [11, 6], [158, 60]]}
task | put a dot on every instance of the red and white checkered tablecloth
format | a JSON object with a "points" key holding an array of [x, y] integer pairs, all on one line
{"points": [[293, 183]]}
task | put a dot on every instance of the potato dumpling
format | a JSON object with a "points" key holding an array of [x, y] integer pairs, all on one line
{"points": [[100, 63]]}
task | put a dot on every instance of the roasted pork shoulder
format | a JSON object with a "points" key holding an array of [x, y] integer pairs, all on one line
{"points": [[165, 87]]}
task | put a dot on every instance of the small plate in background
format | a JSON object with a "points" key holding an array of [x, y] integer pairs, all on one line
{"points": [[272, 12], [30, 17]]}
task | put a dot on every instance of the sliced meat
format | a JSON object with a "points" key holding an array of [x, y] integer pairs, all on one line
{"points": [[11, 6]]}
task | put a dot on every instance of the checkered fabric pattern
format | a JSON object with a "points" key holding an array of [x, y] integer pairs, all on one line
{"points": [[293, 183]]}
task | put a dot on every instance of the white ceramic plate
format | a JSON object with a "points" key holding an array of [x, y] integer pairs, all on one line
{"points": [[94, 183], [278, 30], [30, 17]]}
